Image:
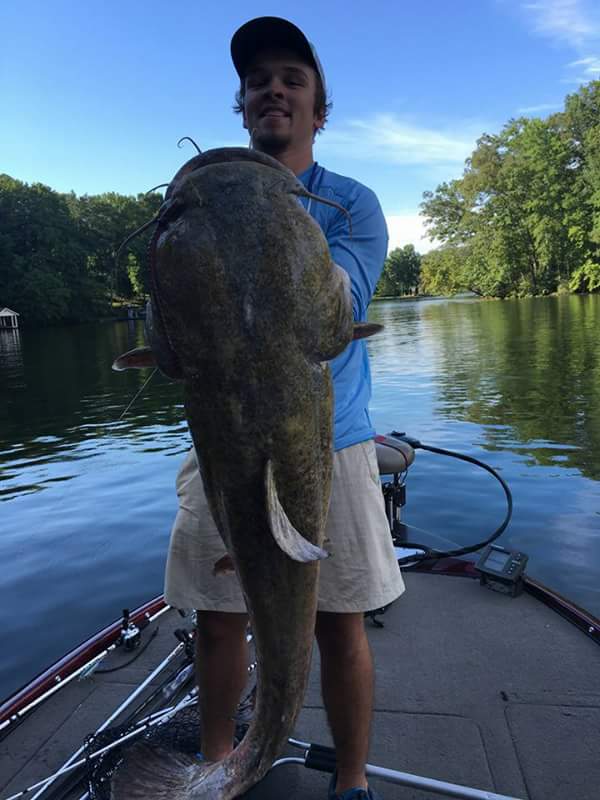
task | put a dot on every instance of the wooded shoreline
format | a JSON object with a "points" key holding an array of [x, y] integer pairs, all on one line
{"points": [[523, 220]]}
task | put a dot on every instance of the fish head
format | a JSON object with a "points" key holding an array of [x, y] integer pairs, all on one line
{"points": [[236, 257]]}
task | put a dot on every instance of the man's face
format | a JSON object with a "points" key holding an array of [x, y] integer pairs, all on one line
{"points": [[279, 106]]}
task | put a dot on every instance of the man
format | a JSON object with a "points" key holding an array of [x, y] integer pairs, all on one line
{"points": [[282, 99]]}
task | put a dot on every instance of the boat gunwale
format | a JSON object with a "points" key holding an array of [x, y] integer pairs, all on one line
{"points": [[576, 615], [60, 671]]}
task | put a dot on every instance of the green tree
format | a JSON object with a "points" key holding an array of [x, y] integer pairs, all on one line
{"points": [[41, 257], [105, 221], [442, 270], [400, 275], [526, 212], [57, 251]]}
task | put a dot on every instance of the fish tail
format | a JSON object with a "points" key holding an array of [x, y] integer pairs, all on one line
{"points": [[153, 773]]}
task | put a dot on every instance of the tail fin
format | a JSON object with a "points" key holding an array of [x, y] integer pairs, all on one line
{"points": [[152, 773]]}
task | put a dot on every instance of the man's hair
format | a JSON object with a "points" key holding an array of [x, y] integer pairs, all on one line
{"points": [[322, 104]]}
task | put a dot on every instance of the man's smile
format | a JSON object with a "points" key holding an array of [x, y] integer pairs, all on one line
{"points": [[274, 111]]}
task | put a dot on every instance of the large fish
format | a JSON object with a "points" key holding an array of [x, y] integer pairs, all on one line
{"points": [[246, 308]]}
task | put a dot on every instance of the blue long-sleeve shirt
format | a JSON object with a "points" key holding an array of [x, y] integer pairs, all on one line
{"points": [[362, 256]]}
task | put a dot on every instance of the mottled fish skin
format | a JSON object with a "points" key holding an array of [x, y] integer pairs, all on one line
{"points": [[251, 306]]}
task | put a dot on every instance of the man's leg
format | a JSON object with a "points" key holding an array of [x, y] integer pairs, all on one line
{"points": [[347, 686], [221, 674]]}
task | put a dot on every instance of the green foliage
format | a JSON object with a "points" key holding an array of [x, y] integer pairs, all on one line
{"points": [[442, 270], [57, 251], [400, 275], [586, 278], [524, 219]]}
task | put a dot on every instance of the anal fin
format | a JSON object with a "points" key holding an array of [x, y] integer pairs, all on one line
{"points": [[287, 537]]}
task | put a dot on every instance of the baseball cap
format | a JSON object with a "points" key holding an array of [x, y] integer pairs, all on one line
{"points": [[268, 32]]}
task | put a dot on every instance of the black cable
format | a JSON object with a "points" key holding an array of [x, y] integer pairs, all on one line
{"points": [[431, 553], [131, 660]]}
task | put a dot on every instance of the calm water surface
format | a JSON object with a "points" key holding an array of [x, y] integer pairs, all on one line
{"points": [[86, 500]]}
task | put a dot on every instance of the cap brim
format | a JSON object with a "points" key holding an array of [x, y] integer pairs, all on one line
{"points": [[270, 32]]}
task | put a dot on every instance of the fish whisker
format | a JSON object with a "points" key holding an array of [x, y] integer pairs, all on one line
{"points": [[189, 139], [138, 393]]}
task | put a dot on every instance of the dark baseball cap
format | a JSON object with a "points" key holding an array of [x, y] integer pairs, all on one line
{"points": [[270, 32]]}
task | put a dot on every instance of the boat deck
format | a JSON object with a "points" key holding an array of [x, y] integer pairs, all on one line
{"points": [[472, 687]]}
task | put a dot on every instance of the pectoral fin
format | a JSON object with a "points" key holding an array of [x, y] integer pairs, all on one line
{"points": [[140, 358], [287, 537], [364, 329]]}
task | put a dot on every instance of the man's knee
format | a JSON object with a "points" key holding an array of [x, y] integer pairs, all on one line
{"points": [[339, 634], [219, 627]]}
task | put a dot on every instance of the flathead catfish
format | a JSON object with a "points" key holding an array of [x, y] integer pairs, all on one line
{"points": [[247, 306]]}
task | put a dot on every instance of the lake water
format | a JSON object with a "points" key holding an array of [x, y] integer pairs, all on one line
{"points": [[87, 501]]}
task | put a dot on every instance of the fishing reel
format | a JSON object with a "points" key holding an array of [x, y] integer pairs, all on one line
{"points": [[186, 637], [130, 636]]}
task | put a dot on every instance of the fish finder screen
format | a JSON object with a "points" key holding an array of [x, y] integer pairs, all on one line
{"points": [[497, 560]]}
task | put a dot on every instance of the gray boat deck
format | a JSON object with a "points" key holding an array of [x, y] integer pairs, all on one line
{"points": [[472, 687]]}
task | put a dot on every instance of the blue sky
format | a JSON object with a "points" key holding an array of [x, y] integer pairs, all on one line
{"points": [[95, 95]]}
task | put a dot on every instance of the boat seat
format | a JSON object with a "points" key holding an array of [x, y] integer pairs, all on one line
{"points": [[393, 455]]}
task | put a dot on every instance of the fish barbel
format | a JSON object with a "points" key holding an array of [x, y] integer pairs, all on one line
{"points": [[247, 306]]}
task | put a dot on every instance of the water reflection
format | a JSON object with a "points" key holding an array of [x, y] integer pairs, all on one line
{"points": [[89, 499], [11, 358], [526, 371], [64, 402]]}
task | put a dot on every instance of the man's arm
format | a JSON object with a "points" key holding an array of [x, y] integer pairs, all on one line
{"points": [[361, 255]]}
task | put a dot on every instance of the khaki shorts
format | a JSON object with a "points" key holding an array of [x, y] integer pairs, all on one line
{"points": [[362, 573]]}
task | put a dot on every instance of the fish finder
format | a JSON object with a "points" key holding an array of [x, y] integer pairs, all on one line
{"points": [[502, 569]]}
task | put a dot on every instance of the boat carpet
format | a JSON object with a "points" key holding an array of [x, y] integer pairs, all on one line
{"points": [[472, 687]]}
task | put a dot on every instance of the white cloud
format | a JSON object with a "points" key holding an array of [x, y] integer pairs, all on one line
{"points": [[569, 21], [409, 228], [387, 137], [539, 108], [575, 23], [591, 66]]}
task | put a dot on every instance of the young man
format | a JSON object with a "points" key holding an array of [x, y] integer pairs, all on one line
{"points": [[282, 99]]}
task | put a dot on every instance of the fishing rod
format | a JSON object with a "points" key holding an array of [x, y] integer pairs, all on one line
{"points": [[125, 704], [145, 724], [129, 631], [176, 683]]}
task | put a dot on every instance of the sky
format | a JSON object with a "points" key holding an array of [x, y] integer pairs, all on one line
{"points": [[95, 95]]}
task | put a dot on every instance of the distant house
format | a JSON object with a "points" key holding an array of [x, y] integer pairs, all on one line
{"points": [[8, 319]]}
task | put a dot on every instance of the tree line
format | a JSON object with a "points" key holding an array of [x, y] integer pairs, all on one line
{"points": [[57, 251], [524, 218]]}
